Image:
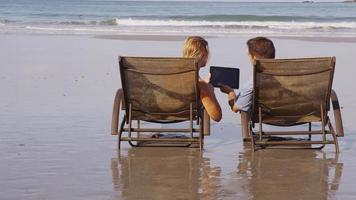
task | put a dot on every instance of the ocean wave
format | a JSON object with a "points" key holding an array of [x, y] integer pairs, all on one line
{"points": [[227, 31], [219, 24], [109, 22], [68, 29], [282, 18], [206, 23], [230, 24], [229, 18], [165, 25], [4, 21]]}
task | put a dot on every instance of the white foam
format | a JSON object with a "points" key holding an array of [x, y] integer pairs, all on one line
{"points": [[185, 27], [245, 24], [63, 29]]}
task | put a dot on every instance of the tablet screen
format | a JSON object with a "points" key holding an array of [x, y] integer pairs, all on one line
{"points": [[225, 75]]}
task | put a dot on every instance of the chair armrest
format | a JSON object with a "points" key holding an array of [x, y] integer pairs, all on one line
{"points": [[337, 114], [116, 112]]}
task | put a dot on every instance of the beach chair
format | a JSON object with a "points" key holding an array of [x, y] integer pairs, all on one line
{"points": [[290, 92], [159, 90]]}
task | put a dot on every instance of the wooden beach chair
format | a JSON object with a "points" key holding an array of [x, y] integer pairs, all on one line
{"points": [[290, 92], [159, 90]]}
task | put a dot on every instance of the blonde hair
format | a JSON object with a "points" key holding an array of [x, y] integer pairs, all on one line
{"points": [[195, 47]]}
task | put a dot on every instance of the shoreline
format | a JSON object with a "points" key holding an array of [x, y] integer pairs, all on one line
{"points": [[181, 37], [147, 37], [320, 39]]}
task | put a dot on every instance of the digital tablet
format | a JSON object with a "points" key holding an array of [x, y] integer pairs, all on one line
{"points": [[225, 75]]}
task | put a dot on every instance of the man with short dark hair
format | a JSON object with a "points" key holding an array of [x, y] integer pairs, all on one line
{"points": [[261, 47], [258, 48]]}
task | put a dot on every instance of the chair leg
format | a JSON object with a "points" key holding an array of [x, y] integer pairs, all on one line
{"points": [[252, 143], [201, 136], [323, 124], [201, 131], [120, 131], [244, 125], [309, 129], [206, 123], [251, 137], [130, 120], [260, 122], [191, 120], [138, 127], [336, 143]]}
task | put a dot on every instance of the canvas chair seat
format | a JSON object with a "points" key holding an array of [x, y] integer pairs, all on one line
{"points": [[159, 90], [289, 92]]}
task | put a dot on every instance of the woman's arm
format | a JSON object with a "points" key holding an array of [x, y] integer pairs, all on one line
{"points": [[209, 101]]}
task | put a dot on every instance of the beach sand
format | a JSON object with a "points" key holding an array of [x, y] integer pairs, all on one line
{"points": [[56, 101]]}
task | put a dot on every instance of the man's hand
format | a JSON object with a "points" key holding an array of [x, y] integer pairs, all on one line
{"points": [[231, 96]]}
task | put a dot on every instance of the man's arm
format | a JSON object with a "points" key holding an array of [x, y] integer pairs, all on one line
{"points": [[231, 96], [232, 99]]}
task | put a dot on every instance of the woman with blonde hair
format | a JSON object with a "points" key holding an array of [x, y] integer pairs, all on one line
{"points": [[197, 47]]}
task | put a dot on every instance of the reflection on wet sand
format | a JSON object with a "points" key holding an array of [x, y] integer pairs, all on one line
{"points": [[290, 174], [164, 173], [170, 173]]}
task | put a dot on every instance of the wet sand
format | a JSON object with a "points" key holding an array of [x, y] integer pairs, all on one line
{"points": [[55, 143]]}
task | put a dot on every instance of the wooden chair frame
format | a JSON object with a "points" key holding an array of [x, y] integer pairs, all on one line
{"points": [[133, 134], [257, 136]]}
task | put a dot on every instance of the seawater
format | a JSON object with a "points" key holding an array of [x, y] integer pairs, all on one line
{"points": [[177, 17]]}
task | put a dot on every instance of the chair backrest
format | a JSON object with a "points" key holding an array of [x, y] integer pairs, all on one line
{"points": [[160, 88], [291, 91]]}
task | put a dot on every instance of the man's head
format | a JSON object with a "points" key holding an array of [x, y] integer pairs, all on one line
{"points": [[260, 48], [196, 47]]}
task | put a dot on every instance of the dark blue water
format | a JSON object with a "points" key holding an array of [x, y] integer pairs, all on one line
{"points": [[103, 16]]}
